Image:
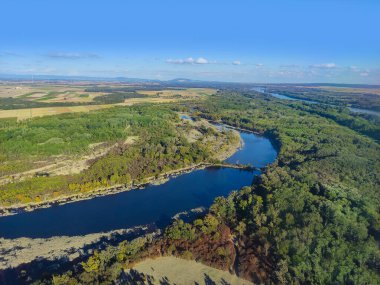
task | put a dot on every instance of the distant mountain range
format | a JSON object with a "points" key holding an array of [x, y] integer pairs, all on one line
{"points": [[91, 78], [175, 81], [72, 78]]}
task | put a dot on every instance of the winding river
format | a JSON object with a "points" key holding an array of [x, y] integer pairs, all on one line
{"points": [[155, 204], [284, 97]]}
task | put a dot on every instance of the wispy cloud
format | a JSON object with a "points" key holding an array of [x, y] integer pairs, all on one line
{"points": [[329, 65], [189, 60], [290, 66], [72, 55], [236, 62], [9, 53]]}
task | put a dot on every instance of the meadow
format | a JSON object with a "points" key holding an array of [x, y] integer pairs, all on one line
{"points": [[23, 114]]}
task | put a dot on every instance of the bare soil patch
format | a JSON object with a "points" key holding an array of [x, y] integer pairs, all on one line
{"points": [[180, 271]]}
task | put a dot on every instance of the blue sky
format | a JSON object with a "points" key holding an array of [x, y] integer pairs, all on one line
{"points": [[248, 41]]}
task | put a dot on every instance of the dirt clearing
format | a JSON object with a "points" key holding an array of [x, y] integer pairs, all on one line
{"points": [[173, 270]]}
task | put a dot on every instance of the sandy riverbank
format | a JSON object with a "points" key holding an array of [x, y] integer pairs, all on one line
{"points": [[15, 252]]}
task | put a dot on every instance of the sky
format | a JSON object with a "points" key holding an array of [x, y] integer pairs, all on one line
{"points": [[332, 41]]}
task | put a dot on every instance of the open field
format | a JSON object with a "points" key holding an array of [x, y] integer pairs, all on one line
{"points": [[22, 114], [169, 95], [48, 94], [348, 89], [71, 95], [185, 93], [173, 270], [133, 101], [18, 90]]}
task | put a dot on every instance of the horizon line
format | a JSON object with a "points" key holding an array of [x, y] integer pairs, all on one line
{"points": [[14, 77]]}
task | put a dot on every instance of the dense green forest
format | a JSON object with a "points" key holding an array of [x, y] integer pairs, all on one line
{"points": [[312, 217], [161, 146]]}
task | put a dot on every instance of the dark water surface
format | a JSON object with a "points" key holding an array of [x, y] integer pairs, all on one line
{"points": [[257, 151], [154, 204]]}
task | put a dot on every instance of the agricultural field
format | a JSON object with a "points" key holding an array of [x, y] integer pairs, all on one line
{"points": [[183, 93], [170, 95], [26, 100], [349, 89], [22, 114], [47, 92]]}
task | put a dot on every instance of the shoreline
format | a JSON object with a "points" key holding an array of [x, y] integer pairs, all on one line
{"points": [[152, 180], [163, 178], [16, 209], [16, 252], [119, 188]]}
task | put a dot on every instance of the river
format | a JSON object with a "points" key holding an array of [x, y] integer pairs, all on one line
{"points": [[284, 97], [155, 204]]}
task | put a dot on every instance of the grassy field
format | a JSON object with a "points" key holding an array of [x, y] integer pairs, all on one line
{"points": [[57, 94], [185, 93], [173, 270], [70, 96], [349, 89], [77, 93], [133, 101], [22, 114], [46, 92]]}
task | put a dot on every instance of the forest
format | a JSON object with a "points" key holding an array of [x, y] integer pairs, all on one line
{"points": [[160, 145], [312, 217]]}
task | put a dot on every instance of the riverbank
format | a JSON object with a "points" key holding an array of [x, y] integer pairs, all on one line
{"points": [[19, 251], [195, 190], [15, 209], [273, 139], [154, 180], [352, 108], [222, 154], [163, 178]]}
